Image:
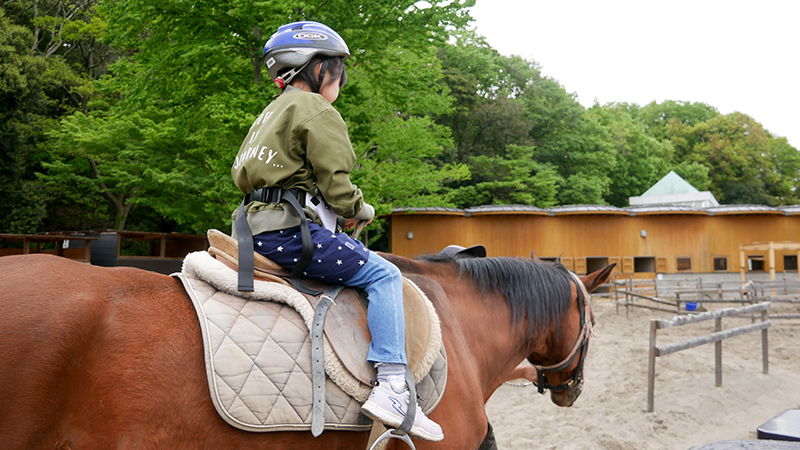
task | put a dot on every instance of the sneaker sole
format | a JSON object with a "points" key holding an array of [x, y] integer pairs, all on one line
{"points": [[392, 421]]}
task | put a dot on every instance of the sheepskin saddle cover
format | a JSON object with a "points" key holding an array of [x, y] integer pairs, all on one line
{"points": [[258, 351]]}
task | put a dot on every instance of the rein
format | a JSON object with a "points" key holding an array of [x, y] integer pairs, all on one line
{"points": [[584, 306]]}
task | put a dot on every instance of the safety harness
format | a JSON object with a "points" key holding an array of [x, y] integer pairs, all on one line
{"points": [[244, 236]]}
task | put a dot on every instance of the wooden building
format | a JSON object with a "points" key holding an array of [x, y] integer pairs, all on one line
{"points": [[158, 252], [642, 240]]}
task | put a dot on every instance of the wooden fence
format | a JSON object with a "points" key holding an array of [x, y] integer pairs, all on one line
{"points": [[740, 295], [716, 337], [634, 299], [650, 293]]}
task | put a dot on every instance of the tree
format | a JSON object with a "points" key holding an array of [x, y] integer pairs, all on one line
{"points": [[52, 57], [25, 113], [570, 139], [502, 101], [737, 151], [695, 174], [641, 159], [513, 178], [173, 116], [731, 155], [674, 121], [786, 161]]}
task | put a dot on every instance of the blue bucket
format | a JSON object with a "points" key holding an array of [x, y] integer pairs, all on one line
{"points": [[691, 306]]}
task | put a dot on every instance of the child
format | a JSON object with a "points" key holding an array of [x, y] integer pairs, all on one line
{"points": [[299, 144]]}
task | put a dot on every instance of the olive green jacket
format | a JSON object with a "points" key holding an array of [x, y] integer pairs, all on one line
{"points": [[298, 142]]}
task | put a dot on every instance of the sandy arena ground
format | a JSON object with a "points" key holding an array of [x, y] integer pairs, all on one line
{"points": [[689, 409]]}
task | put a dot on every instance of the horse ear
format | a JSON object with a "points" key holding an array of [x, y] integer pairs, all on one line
{"points": [[596, 278]]}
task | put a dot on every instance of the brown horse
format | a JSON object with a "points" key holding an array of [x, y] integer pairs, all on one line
{"points": [[96, 357]]}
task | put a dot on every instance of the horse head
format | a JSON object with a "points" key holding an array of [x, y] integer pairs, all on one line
{"points": [[563, 375]]}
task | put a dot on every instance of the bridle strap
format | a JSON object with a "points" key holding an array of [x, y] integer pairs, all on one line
{"points": [[584, 308], [560, 366]]}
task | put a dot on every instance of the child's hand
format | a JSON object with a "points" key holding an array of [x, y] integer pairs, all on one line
{"points": [[349, 224], [359, 225]]}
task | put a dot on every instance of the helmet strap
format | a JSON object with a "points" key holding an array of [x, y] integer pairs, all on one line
{"points": [[284, 80], [322, 69]]}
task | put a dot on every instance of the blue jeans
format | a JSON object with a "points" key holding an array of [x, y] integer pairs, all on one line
{"points": [[384, 285]]}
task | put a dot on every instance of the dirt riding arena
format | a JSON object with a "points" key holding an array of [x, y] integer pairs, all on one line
{"points": [[689, 408]]}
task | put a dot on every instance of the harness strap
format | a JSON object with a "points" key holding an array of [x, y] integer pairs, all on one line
{"points": [[318, 360], [308, 245], [244, 237]]}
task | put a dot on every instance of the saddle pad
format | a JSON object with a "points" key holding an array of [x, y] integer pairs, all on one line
{"points": [[258, 362]]}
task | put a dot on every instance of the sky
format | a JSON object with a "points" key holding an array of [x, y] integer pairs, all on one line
{"points": [[733, 55]]}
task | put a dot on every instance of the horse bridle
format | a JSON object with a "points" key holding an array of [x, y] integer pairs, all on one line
{"points": [[584, 305]]}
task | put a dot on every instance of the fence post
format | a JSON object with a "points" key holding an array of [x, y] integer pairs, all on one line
{"points": [[651, 366], [627, 303], [764, 345], [718, 353]]}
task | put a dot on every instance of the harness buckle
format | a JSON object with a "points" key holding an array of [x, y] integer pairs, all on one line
{"points": [[265, 195], [274, 195]]}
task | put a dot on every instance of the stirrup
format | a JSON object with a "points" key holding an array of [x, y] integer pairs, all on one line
{"points": [[408, 421], [390, 434]]}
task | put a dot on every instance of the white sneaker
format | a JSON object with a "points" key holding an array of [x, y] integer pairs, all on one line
{"points": [[388, 403]]}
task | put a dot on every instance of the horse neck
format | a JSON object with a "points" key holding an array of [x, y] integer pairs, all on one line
{"points": [[476, 326], [483, 321]]}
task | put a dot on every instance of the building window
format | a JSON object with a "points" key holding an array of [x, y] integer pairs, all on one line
{"points": [[755, 263], [644, 264], [594, 263], [720, 264], [684, 264], [789, 262]]}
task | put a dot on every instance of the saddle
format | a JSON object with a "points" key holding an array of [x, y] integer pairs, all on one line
{"points": [[345, 325], [278, 360]]}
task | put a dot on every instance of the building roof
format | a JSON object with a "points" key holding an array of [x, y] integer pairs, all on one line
{"points": [[605, 209], [674, 190], [671, 184]]}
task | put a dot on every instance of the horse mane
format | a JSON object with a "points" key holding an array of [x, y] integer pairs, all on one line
{"points": [[537, 293]]}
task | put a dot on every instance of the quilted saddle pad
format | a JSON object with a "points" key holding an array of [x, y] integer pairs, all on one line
{"points": [[258, 362]]}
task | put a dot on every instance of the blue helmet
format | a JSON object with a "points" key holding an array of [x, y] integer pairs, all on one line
{"points": [[293, 46]]}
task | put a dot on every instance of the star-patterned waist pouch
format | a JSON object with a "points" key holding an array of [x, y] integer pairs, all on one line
{"points": [[337, 256]]}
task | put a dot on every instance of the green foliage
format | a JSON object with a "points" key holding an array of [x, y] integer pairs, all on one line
{"points": [[736, 150], [504, 102], [129, 114], [730, 155], [695, 174], [197, 96], [26, 112], [511, 179], [786, 162], [641, 159]]}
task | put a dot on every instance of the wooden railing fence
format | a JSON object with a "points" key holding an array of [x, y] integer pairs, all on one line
{"points": [[716, 337]]}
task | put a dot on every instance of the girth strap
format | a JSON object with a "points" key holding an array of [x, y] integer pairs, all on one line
{"points": [[318, 360], [244, 236]]}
